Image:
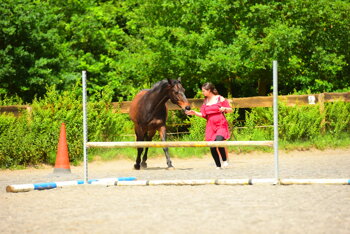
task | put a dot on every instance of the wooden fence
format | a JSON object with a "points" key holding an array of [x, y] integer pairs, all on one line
{"points": [[248, 102], [251, 102]]}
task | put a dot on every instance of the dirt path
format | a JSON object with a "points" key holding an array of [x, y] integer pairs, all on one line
{"points": [[185, 209]]}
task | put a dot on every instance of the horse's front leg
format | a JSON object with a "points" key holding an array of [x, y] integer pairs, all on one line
{"points": [[148, 137], [162, 133], [144, 159], [140, 136], [138, 159]]}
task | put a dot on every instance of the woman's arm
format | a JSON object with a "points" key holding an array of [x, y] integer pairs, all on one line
{"points": [[192, 112], [225, 109], [225, 105]]}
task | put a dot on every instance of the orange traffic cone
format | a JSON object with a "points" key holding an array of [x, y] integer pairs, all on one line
{"points": [[62, 159]]}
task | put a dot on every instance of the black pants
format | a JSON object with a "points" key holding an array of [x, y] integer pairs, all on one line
{"points": [[215, 154]]}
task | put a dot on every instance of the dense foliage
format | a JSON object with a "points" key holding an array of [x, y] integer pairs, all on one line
{"points": [[127, 45]]}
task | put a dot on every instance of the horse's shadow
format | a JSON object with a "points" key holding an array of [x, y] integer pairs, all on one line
{"points": [[165, 168]]}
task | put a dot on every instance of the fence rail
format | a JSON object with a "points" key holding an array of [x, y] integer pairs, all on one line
{"points": [[247, 102], [260, 101]]}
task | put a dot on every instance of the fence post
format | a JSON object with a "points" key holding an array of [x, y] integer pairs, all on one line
{"points": [[30, 113], [322, 112]]}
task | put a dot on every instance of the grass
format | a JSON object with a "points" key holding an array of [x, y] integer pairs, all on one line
{"points": [[322, 142]]}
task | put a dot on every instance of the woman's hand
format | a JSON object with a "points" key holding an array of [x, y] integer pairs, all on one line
{"points": [[190, 112]]}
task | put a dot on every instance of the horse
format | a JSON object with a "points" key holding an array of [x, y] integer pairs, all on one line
{"points": [[149, 113]]}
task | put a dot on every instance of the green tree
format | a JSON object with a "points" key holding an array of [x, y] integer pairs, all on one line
{"points": [[128, 45], [30, 56]]}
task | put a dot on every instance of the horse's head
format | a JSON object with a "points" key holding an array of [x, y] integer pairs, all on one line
{"points": [[177, 94]]}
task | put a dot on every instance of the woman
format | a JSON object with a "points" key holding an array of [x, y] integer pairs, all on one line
{"points": [[213, 110]]}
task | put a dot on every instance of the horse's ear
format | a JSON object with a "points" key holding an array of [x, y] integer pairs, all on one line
{"points": [[169, 81]]}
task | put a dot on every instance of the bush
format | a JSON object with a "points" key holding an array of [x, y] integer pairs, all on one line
{"points": [[337, 118], [32, 138], [297, 123], [300, 122]]}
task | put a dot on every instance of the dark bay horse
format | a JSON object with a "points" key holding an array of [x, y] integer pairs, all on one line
{"points": [[148, 111]]}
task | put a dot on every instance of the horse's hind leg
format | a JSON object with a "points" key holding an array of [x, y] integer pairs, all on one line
{"points": [[162, 133], [168, 161]]}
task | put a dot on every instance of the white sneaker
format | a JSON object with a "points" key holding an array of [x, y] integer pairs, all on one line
{"points": [[225, 164]]}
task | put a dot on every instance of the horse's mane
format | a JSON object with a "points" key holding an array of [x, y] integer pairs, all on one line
{"points": [[161, 84]]}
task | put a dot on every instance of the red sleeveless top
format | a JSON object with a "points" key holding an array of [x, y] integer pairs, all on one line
{"points": [[216, 120]]}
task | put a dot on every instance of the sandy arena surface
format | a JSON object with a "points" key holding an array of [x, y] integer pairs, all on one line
{"points": [[185, 209]]}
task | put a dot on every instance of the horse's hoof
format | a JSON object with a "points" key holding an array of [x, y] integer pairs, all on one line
{"points": [[144, 165], [137, 167], [171, 168]]}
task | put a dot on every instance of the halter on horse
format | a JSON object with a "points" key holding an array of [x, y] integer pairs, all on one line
{"points": [[148, 111]]}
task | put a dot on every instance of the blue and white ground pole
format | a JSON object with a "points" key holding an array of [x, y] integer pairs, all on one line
{"points": [[50, 185]]}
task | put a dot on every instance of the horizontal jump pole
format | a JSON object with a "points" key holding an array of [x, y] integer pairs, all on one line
{"points": [[50, 185], [162, 144]]}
